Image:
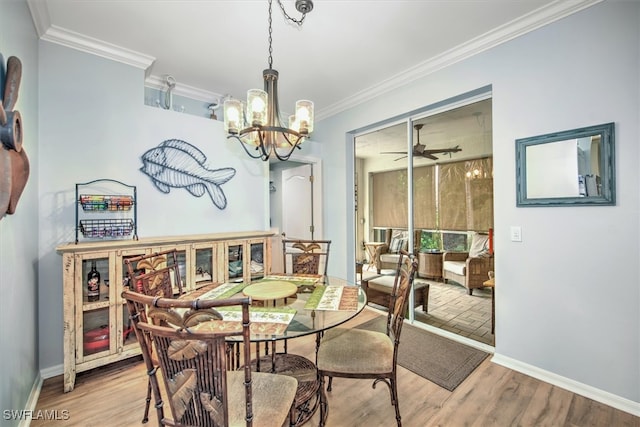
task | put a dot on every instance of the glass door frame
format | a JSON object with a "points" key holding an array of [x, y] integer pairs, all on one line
{"points": [[409, 118]]}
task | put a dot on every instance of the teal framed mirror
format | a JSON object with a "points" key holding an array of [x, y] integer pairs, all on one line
{"points": [[568, 168]]}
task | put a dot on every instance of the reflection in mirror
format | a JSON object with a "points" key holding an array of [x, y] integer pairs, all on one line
{"points": [[570, 167]]}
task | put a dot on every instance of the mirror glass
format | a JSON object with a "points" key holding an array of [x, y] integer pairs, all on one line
{"points": [[574, 167]]}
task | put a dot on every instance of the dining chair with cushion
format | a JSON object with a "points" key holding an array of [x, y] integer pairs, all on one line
{"points": [[190, 339], [155, 274], [359, 353]]}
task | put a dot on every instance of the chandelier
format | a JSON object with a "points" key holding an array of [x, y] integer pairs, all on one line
{"points": [[257, 124]]}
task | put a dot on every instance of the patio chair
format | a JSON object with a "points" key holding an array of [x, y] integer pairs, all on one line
{"points": [[190, 339], [359, 353], [470, 269]]}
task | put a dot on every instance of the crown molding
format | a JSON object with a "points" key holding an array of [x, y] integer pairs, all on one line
{"points": [[523, 25], [191, 92], [71, 39], [97, 47], [39, 15]]}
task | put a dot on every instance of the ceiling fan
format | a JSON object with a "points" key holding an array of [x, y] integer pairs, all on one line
{"points": [[420, 150]]}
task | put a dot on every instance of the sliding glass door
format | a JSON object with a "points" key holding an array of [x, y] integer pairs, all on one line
{"points": [[429, 176]]}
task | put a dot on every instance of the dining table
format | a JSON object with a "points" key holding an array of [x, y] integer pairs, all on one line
{"points": [[286, 307]]}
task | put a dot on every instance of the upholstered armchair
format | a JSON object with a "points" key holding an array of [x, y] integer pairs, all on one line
{"points": [[387, 255], [470, 269]]}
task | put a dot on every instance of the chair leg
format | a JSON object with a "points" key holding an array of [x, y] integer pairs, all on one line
{"points": [[329, 383], [324, 406], [145, 418], [292, 414], [394, 400]]}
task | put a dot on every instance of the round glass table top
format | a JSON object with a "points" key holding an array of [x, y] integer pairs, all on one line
{"points": [[325, 304]]}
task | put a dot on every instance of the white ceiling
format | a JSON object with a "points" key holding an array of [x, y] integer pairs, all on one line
{"points": [[346, 52], [468, 127]]}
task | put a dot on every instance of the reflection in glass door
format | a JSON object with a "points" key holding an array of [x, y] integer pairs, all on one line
{"points": [[433, 173]]}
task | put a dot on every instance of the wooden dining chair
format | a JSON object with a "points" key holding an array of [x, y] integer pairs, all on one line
{"points": [[306, 257], [155, 274], [359, 353], [190, 339]]}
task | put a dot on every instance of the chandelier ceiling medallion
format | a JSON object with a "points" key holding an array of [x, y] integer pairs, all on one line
{"points": [[258, 125]]}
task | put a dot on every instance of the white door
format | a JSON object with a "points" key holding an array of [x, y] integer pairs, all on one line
{"points": [[297, 202]]}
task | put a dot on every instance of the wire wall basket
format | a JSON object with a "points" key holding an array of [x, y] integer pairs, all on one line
{"points": [[104, 228], [94, 202], [106, 209]]}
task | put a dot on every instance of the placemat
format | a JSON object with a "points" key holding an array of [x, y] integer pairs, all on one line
{"points": [[337, 298], [225, 290], [265, 321], [300, 281]]}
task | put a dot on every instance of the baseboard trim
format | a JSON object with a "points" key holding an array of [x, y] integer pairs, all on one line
{"points": [[596, 394], [32, 402], [52, 371]]}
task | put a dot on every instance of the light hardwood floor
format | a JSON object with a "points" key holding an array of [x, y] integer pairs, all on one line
{"points": [[491, 396]]}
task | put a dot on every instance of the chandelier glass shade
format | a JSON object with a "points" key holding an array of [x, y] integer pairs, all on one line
{"points": [[258, 124]]}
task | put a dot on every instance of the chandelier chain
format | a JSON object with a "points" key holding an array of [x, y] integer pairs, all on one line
{"points": [[270, 39], [259, 127], [294, 20], [284, 12]]}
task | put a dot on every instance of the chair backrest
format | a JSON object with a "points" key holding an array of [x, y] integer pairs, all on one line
{"points": [[402, 237], [189, 339], [399, 301], [479, 247], [306, 256], [156, 274]]}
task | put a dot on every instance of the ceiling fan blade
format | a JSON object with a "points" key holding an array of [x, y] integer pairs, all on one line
{"points": [[419, 150], [400, 158], [443, 150]]}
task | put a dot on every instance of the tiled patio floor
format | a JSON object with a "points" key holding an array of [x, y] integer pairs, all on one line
{"points": [[451, 308]]}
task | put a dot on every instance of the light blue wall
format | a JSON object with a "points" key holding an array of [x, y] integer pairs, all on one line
{"points": [[94, 124], [568, 295], [19, 232]]}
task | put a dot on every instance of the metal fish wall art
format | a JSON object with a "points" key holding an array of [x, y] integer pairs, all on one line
{"points": [[177, 164]]}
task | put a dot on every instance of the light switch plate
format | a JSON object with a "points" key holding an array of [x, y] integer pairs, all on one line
{"points": [[516, 233]]}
